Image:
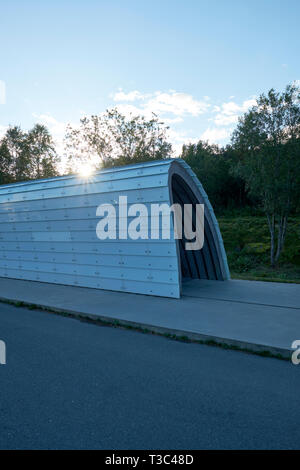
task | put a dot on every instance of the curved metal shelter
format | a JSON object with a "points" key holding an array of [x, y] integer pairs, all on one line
{"points": [[48, 231]]}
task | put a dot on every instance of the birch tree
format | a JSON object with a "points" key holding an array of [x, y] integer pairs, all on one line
{"points": [[267, 139]]}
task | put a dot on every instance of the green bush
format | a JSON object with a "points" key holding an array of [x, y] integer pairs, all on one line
{"points": [[247, 244]]}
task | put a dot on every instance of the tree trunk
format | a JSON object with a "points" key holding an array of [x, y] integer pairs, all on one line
{"points": [[271, 223], [281, 236]]}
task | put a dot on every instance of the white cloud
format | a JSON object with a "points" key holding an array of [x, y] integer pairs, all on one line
{"points": [[173, 108], [248, 104], [229, 112], [214, 134], [223, 120], [57, 129], [131, 110], [131, 96], [176, 103], [178, 138], [164, 103], [3, 129], [173, 120]]}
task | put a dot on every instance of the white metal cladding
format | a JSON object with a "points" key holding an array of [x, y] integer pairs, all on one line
{"points": [[48, 232]]}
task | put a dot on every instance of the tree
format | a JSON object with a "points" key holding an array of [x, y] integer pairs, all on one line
{"points": [[212, 166], [267, 139], [27, 155], [111, 139], [43, 157], [6, 171], [15, 142]]}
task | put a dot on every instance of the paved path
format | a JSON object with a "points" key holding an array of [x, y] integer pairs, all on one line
{"points": [[69, 384], [249, 314]]}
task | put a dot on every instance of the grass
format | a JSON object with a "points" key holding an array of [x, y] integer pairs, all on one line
{"points": [[247, 243], [123, 325]]}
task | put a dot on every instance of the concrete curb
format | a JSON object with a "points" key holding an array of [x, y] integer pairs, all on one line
{"points": [[180, 335]]}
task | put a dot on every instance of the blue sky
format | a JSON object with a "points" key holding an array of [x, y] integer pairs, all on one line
{"points": [[198, 64]]}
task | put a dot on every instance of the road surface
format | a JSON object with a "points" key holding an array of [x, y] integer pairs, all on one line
{"points": [[69, 384]]}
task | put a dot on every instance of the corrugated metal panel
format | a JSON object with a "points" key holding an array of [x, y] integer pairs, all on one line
{"points": [[48, 232]]}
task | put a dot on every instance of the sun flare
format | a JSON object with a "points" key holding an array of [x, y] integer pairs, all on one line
{"points": [[86, 170]]}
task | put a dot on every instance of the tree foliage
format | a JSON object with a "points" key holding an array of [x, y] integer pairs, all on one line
{"points": [[112, 139], [43, 157], [260, 168], [212, 166], [27, 155], [267, 143]]}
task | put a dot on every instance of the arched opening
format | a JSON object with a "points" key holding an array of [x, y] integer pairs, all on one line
{"points": [[195, 264]]}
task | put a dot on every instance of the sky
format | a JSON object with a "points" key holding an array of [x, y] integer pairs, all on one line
{"points": [[198, 64]]}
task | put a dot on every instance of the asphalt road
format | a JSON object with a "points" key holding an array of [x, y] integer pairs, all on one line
{"points": [[69, 384]]}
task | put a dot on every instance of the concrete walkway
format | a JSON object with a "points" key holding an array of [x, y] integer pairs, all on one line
{"points": [[259, 316]]}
